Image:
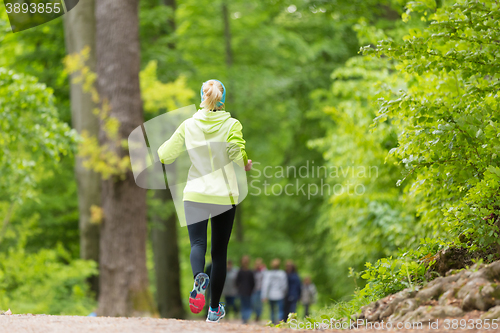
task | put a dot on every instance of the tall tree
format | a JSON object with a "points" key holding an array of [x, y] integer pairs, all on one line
{"points": [[79, 27], [164, 236], [166, 256], [123, 273]]}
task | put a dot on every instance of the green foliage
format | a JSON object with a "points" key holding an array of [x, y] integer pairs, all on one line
{"points": [[32, 138], [446, 121], [366, 218], [159, 96], [341, 309], [33, 142], [43, 283], [38, 52], [63, 292], [46, 281], [448, 118], [303, 94], [390, 275], [55, 207]]}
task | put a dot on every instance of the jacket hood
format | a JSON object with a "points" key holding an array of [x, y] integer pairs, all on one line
{"points": [[210, 121]]}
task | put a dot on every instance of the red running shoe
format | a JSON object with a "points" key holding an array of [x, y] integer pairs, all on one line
{"points": [[197, 295]]}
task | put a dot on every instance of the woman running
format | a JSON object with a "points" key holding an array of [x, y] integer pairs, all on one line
{"points": [[212, 137]]}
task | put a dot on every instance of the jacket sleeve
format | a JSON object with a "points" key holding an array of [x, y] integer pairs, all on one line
{"points": [[236, 144], [171, 148]]}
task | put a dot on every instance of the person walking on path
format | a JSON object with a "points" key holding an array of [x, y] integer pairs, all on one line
{"points": [[245, 283], [294, 290], [274, 287], [259, 269], [208, 194], [309, 295], [230, 291]]}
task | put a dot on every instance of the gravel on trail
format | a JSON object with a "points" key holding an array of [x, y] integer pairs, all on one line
{"points": [[73, 324]]}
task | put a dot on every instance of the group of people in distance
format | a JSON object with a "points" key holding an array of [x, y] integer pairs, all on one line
{"points": [[253, 287]]}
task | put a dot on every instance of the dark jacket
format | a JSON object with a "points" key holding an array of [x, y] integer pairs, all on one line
{"points": [[245, 282], [294, 287]]}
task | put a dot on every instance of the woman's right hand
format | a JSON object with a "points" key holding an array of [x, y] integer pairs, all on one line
{"points": [[248, 167]]}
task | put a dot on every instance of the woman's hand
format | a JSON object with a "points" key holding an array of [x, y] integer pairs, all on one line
{"points": [[248, 167]]}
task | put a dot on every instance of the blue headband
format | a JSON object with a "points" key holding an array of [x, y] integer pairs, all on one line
{"points": [[222, 100]]}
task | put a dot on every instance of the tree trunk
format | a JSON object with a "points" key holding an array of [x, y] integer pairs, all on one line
{"points": [[164, 241], [166, 255], [230, 101], [79, 27], [123, 274]]}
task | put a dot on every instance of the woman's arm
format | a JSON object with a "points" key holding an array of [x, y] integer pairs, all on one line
{"points": [[236, 147], [171, 148]]}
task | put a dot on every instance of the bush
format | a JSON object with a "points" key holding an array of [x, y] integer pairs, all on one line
{"points": [[448, 118], [45, 282]]}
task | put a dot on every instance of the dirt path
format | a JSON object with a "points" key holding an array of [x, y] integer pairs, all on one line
{"points": [[72, 324]]}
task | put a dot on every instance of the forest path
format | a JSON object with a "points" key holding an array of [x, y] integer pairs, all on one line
{"points": [[74, 324]]}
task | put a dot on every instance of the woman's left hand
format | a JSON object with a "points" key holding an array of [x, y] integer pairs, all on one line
{"points": [[248, 167]]}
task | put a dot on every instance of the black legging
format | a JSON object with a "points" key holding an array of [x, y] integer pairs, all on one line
{"points": [[222, 218]]}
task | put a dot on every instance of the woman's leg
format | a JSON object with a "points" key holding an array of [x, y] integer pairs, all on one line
{"points": [[222, 225], [197, 219]]}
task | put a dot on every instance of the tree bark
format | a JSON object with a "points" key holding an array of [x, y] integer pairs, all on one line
{"points": [[79, 27], [123, 275], [164, 240], [166, 255]]}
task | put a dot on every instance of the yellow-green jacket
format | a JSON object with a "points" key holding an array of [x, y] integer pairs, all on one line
{"points": [[210, 137]]}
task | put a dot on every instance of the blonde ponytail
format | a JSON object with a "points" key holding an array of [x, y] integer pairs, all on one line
{"points": [[212, 93]]}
